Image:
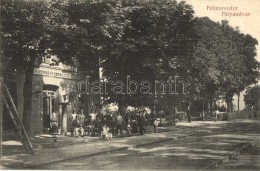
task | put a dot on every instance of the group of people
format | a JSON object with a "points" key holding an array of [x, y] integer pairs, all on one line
{"points": [[95, 124], [107, 125], [137, 123], [77, 123]]}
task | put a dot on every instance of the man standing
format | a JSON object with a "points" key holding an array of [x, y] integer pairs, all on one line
{"points": [[81, 122], [72, 119], [128, 125], [119, 123], [188, 113], [156, 121], [93, 116], [142, 128], [92, 123], [53, 123], [112, 123]]}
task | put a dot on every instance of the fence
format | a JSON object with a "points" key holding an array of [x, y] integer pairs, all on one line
{"points": [[244, 114]]}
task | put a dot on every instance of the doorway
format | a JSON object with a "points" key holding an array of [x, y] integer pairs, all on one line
{"points": [[50, 104], [48, 108]]}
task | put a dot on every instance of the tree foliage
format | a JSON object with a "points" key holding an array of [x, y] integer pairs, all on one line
{"points": [[146, 40], [224, 58], [154, 33], [22, 34], [252, 97]]}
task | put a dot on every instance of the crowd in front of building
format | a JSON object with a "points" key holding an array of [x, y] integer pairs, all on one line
{"points": [[105, 125]]}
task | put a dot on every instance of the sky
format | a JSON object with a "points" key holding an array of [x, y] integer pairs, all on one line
{"points": [[247, 24]]}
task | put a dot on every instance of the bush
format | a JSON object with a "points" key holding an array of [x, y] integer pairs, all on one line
{"points": [[243, 114], [197, 118]]}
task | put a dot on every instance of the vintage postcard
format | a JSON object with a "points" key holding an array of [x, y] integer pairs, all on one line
{"points": [[130, 85]]}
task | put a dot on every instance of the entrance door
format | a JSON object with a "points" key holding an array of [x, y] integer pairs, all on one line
{"points": [[46, 111], [50, 104], [48, 108]]}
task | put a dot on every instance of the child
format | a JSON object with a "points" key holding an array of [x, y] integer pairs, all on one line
{"points": [[105, 133]]}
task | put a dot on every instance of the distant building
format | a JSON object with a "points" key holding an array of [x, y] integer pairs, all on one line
{"points": [[238, 101]]}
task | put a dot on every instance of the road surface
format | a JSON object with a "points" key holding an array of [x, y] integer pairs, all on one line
{"points": [[233, 146]]}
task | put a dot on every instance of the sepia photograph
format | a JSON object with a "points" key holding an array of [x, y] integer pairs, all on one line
{"points": [[130, 85]]}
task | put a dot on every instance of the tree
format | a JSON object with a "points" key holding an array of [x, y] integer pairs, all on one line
{"points": [[245, 65], [219, 59], [23, 34], [154, 33], [252, 97], [29, 31]]}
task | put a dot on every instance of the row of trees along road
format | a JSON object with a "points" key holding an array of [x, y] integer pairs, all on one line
{"points": [[146, 40]]}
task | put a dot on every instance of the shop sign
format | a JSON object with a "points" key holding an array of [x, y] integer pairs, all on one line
{"points": [[54, 73]]}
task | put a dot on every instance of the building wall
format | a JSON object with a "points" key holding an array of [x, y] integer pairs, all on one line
{"points": [[37, 106], [36, 119], [48, 77], [241, 101]]}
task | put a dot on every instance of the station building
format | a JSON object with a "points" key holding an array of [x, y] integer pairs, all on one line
{"points": [[55, 89]]}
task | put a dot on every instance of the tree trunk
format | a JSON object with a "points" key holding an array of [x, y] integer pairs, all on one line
{"points": [[27, 93], [203, 110], [238, 99], [121, 108], [211, 107], [228, 106], [229, 98], [189, 111], [64, 120], [174, 114], [1, 107]]}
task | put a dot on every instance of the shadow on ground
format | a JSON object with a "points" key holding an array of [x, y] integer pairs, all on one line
{"points": [[189, 154]]}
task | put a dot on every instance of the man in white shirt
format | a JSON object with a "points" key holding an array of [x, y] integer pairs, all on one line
{"points": [[72, 119], [93, 116], [81, 122], [119, 124]]}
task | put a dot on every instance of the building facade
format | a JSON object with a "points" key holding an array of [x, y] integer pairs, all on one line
{"points": [[55, 89]]}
